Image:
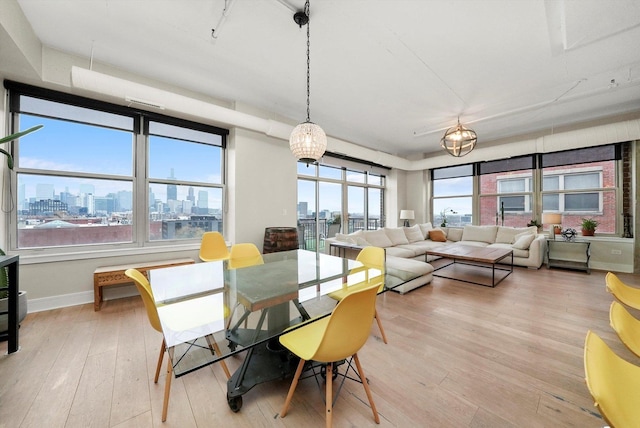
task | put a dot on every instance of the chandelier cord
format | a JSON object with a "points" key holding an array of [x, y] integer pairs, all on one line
{"points": [[306, 6]]}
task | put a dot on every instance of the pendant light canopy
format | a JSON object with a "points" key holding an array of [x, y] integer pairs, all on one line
{"points": [[459, 141], [308, 141]]}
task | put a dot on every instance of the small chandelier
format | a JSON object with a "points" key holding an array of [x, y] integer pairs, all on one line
{"points": [[459, 141], [307, 141]]}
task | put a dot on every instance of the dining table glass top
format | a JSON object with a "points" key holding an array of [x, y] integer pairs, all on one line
{"points": [[207, 303]]}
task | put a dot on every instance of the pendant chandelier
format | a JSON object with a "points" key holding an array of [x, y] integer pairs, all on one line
{"points": [[307, 141], [459, 141]]}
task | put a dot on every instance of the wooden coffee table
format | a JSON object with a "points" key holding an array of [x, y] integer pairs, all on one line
{"points": [[480, 257]]}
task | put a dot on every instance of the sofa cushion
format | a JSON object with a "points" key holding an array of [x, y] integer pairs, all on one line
{"points": [[403, 252], [524, 254], [425, 228], [507, 235], [350, 238], [523, 242], [437, 235], [413, 233], [377, 238], [454, 234], [396, 235], [480, 233]]}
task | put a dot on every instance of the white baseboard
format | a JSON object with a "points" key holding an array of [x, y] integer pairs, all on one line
{"points": [[73, 299]]}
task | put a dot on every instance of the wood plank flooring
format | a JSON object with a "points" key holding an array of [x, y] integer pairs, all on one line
{"points": [[459, 355]]}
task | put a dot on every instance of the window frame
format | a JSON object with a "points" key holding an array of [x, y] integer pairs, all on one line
{"points": [[139, 178]]}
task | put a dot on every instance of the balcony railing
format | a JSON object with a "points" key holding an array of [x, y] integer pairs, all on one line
{"points": [[307, 231]]}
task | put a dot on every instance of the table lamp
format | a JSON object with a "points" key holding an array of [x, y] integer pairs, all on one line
{"points": [[552, 219], [406, 215]]}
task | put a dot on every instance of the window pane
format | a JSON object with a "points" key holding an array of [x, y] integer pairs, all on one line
{"points": [[75, 147], [307, 169], [376, 180], [330, 172], [204, 165], [457, 211], [54, 211], [307, 212], [356, 176], [551, 182], [453, 186], [511, 186], [330, 197], [355, 203], [375, 208], [582, 181], [551, 202], [582, 202], [183, 212], [517, 210]]}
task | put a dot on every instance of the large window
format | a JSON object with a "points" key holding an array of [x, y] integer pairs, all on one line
{"points": [[337, 199], [452, 195], [103, 174], [580, 183]]}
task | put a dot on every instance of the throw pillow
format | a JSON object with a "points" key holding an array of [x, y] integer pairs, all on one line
{"points": [[454, 234], [413, 233], [377, 238], [345, 238], [437, 235], [521, 234], [362, 242], [524, 241], [396, 235], [425, 228]]}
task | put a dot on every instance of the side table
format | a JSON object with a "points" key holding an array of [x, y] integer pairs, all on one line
{"points": [[569, 254]]}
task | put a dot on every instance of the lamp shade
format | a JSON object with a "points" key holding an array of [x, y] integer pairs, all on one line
{"points": [[407, 215], [551, 218]]}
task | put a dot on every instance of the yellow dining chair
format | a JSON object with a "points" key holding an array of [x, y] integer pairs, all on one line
{"points": [[371, 258], [244, 255], [334, 338], [613, 382], [213, 247], [628, 295], [144, 288], [626, 325]]}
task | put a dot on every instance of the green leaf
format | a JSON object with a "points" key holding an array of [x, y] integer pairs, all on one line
{"points": [[19, 134], [9, 158]]}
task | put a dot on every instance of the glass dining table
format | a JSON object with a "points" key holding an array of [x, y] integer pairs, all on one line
{"points": [[207, 306]]}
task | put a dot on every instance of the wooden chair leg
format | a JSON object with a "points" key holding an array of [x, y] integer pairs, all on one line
{"points": [[160, 357], [329, 395], [214, 345], [167, 389], [292, 388], [384, 336], [366, 388]]}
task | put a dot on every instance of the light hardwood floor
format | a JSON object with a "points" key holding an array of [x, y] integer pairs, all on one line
{"points": [[459, 355]]}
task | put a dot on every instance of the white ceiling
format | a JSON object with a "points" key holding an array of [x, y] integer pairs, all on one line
{"points": [[390, 75]]}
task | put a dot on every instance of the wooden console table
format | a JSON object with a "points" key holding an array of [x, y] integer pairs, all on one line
{"points": [[11, 262]]}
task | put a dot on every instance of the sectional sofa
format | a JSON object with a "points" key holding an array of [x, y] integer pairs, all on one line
{"points": [[406, 246]]}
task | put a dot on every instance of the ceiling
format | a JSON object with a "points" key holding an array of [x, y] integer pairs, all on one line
{"points": [[388, 75]]}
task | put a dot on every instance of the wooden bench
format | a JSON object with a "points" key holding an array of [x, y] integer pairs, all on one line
{"points": [[114, 275]]}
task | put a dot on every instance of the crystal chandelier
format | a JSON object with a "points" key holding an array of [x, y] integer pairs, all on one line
{"points": [[459, 141], [307, 141]]}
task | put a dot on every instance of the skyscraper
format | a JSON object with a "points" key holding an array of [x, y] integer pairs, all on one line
{"points": [[172, 189]]}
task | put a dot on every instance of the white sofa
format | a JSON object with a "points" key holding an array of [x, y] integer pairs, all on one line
{"points": [[406, 246]]}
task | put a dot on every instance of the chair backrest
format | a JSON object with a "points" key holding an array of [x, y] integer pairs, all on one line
{"points": [[144, 288], [373, 258], [626, 325], [628, 295], [244, 255], [613, 382], [213, 247], [349, 325]]}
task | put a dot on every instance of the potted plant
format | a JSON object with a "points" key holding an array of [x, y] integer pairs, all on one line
{"points": [[4, 299], [535, 223], [589, 226]]}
